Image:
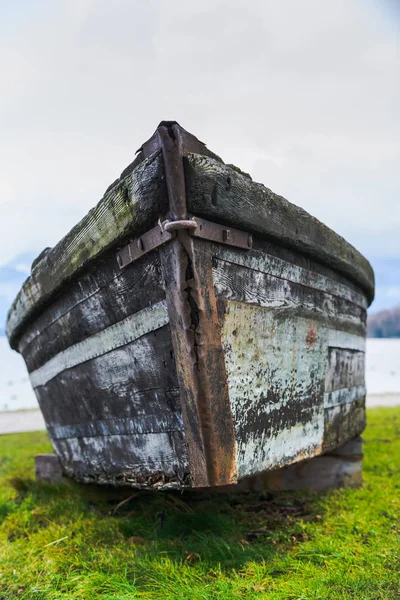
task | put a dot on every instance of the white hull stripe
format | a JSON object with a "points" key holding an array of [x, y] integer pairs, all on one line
{"points": [[171, 421], [344, 396], [277, 267], [120, 334], [348, 341]]}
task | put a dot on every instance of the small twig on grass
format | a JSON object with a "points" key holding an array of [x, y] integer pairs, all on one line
{"points": [[177, 502], [122, 503], [56, 541]]}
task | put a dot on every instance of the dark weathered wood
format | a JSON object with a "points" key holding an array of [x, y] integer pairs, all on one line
{"points": [[342, 423], [159, 417], [288, 267], [345, 369], [196, 337], [94, 279], [217, 191], [148, 460], [133, 205], [285, 297], [119, 334], [128, 395], [135, 381], [315, 268], [93, 302]]}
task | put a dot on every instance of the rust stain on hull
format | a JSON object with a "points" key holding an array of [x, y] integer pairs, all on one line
{"points": [[311, 337]]}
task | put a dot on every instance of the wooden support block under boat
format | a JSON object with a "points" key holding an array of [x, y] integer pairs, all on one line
{"points": [[340, 468], [194, 363], [48, 468]]}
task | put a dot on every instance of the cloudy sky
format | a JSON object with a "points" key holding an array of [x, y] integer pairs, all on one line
{"points": [[304, 95]]}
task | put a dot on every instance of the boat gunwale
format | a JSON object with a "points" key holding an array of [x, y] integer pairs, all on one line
{"points": [[26, 307]]}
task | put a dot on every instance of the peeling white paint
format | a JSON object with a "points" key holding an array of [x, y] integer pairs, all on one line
{"points": [[345, 369], [275, 367], [114, 368], [344, 396], [342, 339], [141, 453], [168, 422], [290, 445], [277, 372]]}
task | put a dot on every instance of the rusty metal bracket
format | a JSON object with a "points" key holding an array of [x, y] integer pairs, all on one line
{"points": [[213, 232], [142, 245], [166, 231]]}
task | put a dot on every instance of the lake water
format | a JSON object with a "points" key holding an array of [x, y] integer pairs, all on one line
{"points": [[383, 366], [383, 373], [15, 388]]}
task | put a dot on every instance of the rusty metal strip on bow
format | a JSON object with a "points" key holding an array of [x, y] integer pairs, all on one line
{"points": [[166, 231], [186, 265]]}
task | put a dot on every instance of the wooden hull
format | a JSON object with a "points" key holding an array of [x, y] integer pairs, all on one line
{"points": [[199, 363]]}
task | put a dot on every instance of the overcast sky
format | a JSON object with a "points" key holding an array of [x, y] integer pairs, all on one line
{"points": [[304, 95]]}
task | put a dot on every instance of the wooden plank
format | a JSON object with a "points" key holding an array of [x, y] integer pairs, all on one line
{"points": [[345, 369], [165, 421], [92, 303], [218, 192], [48, 468], [276, 374], [346, 340], [152, 459], [119, 413], [285, 297], [265, 246], [344, 395], [283, 269], [286, 332], [133, 381], [343, 422], [133, 204], [119, 334]]}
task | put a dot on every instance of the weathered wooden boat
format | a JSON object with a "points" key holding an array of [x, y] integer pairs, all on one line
{"points": [[194, 328]]}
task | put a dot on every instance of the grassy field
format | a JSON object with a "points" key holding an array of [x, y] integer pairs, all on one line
{"points": [[77, 542]]}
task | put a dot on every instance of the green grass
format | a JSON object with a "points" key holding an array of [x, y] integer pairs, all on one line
{"points": [[65, 541]]}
